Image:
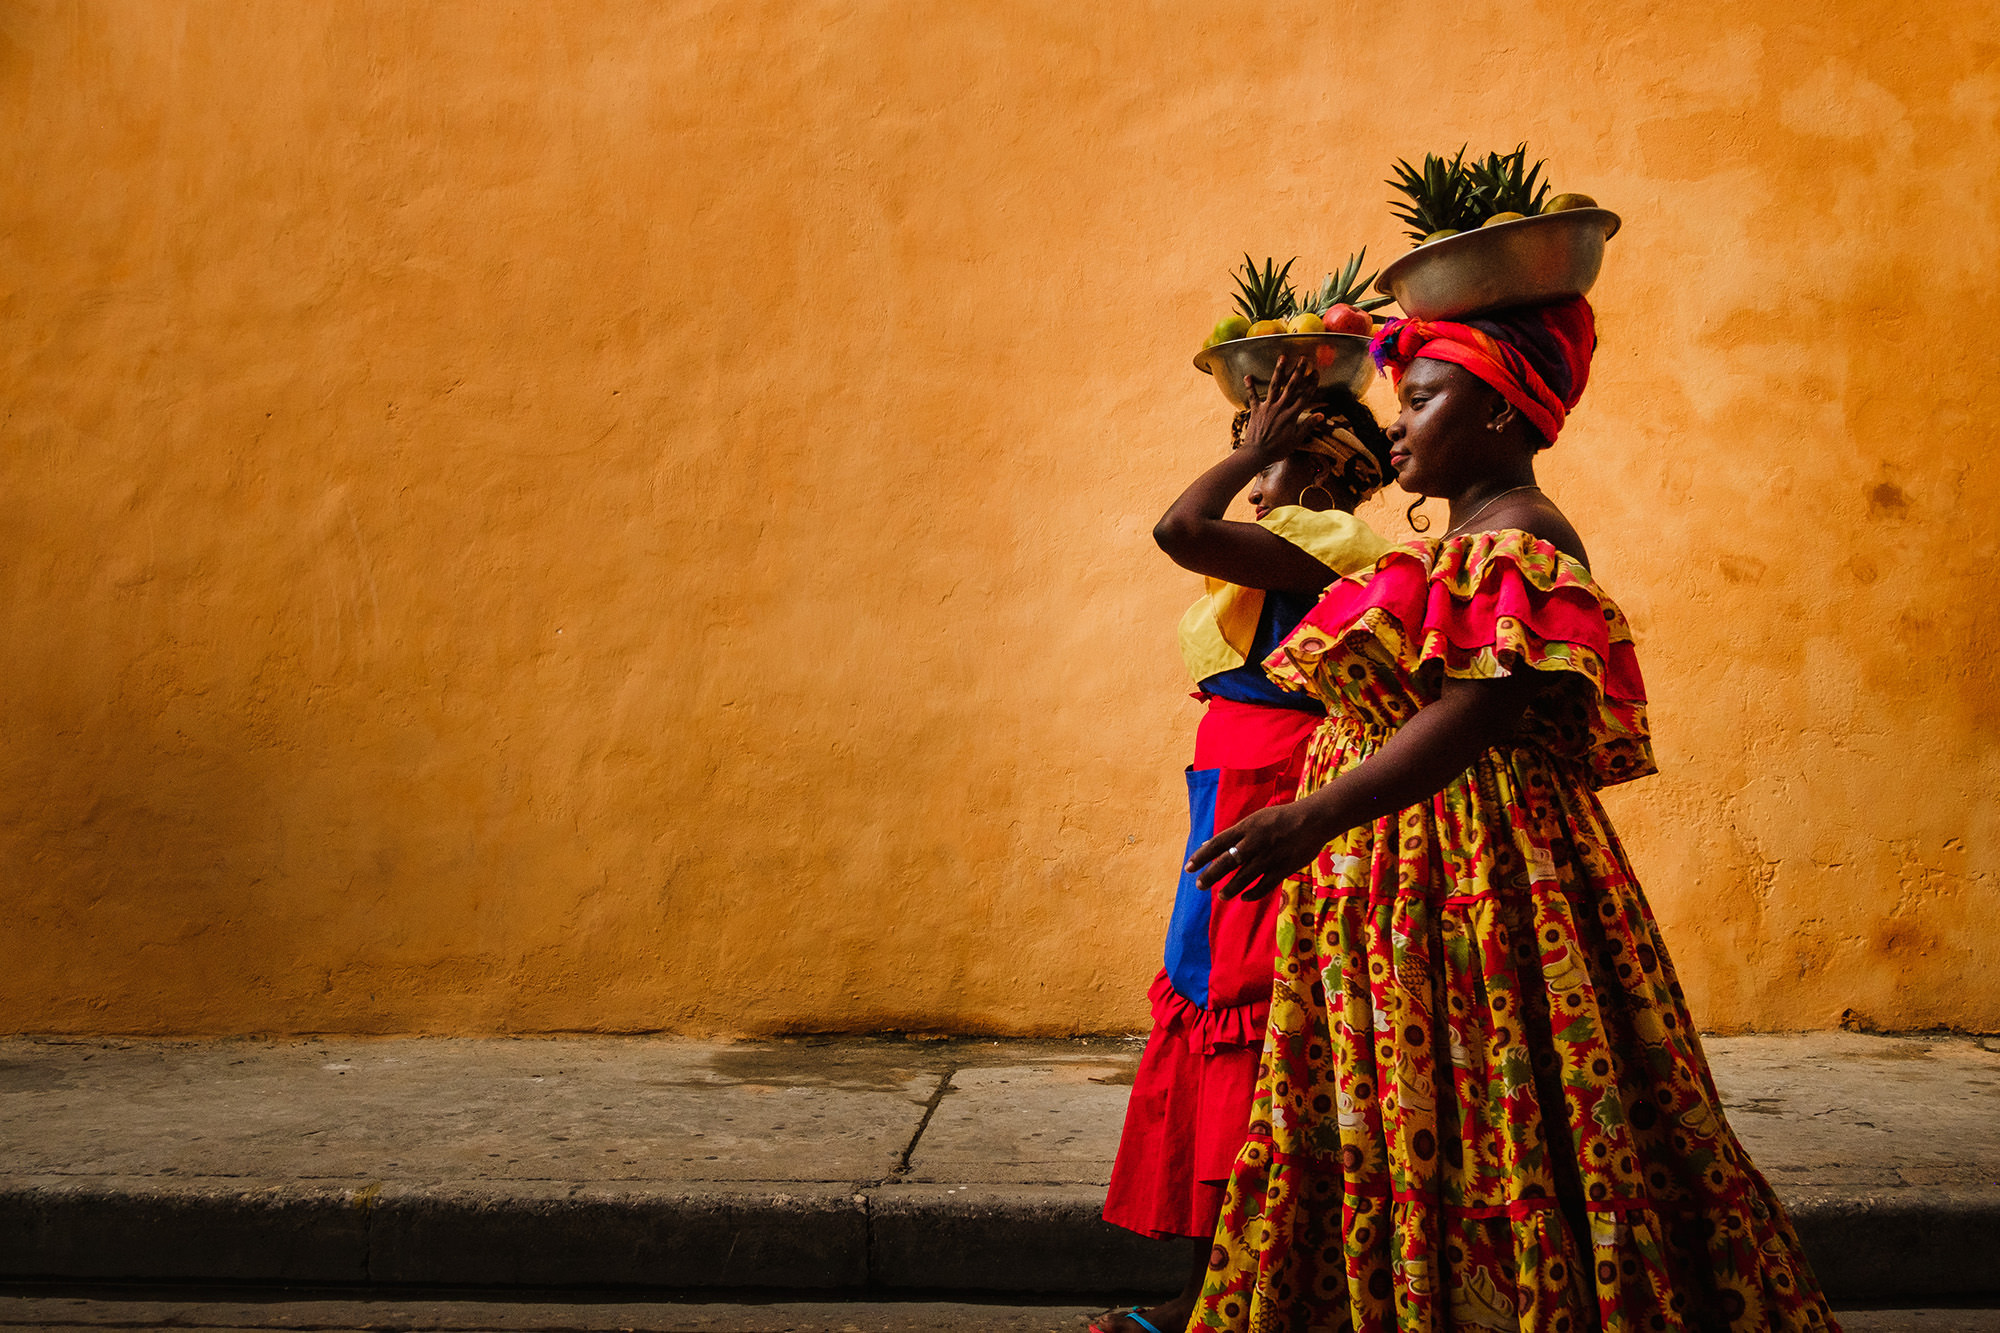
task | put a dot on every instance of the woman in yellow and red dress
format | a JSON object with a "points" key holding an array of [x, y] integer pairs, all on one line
{"points": [[1483, 1104], [1307, 464]]}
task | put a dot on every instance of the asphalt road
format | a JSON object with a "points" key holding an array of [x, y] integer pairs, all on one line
{"points": [[79, 1313]]}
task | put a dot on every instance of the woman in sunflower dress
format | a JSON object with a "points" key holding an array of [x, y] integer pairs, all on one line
{"points": [[1482, 1103], [1306, 470]]}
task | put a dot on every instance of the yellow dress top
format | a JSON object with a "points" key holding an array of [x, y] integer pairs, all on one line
{"points": [[1218, 631]]}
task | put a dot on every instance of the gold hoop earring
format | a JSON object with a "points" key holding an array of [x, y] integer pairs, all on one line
{"points": [[1315, 486]]}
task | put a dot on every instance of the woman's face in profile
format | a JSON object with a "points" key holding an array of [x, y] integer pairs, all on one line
{"points": [[1285, 481], [1441, 441]]}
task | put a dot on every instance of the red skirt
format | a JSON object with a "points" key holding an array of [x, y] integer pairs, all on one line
{"points": [[1190, 1105], [1188, 1116]]}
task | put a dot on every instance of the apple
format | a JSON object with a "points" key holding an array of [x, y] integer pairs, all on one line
{"points": [[1345, 318]]}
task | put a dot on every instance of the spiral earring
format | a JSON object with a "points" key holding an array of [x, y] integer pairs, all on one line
{"points": [[1418, 522]]}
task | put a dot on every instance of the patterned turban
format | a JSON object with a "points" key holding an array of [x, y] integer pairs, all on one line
{"points": [[1358, 464], [1538, 357], [1360, 460]]}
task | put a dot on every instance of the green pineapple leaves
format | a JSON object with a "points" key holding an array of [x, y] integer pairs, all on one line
{"points": [[1506, 184], [1451, 194], [1266, 295], [1440, 197], [1346, 289]]}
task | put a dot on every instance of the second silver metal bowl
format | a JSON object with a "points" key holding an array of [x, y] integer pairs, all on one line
{"points": [[1341, 359], [1524, 262]]}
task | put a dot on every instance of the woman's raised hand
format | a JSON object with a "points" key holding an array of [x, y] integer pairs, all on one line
{"points": [[1256, 855], [1281, 421]]}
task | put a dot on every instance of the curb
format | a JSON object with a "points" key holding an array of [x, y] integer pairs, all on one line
{"points": [[1019, 1239], [1868, 1245], [1911, 1242]]}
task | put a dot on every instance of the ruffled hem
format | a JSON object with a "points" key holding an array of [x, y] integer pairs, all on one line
{"points": [[1480, 1080], [1372, 1260], [1185, 1119], [1478, 607], [1209, 1030]]}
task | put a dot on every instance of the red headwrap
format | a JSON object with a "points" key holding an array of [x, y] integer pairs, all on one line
{"points": [[1538, 357]]}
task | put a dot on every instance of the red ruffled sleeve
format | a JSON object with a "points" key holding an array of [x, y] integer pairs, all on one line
{"points": [[1481, 606]]}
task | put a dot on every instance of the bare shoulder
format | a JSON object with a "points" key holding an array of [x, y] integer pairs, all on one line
{"points": [[1537, 514]]}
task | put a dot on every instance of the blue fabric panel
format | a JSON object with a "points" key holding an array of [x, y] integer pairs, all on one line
{"points": [[1248, 684], [1187, 930]]}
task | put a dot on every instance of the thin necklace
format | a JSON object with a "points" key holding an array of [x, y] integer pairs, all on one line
{"points": [[1454, 528]]}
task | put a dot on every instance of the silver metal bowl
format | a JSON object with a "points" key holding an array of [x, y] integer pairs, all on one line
{"points": [[1342, 359], [1524, 262]]}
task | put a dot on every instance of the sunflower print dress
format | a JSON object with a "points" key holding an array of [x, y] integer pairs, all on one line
{"points": [[1481, 1102]]}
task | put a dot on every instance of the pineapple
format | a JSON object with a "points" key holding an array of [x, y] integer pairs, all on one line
{"points": [[1505, 183], [1442, 197], [1265, 297], [1344, 290]]}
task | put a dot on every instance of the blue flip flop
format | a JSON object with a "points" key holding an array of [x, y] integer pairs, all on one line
{"points": [[1139, 1319]]}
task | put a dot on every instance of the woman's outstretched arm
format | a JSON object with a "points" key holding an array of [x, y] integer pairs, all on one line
{"points": [[1415, 764], [1193, 531]]}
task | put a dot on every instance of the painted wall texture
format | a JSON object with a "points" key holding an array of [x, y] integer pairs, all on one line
{"points": [[636, 516]]}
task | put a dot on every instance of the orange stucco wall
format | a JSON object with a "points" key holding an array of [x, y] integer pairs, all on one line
{"points": [[635, 516]]}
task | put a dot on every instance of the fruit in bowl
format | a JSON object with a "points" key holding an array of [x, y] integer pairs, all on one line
{"points": [[1329, 325], [1342, 302], [1344, 318], [1563, 203], [1489, 236], [1267, 304], [1266, 298], [1227, 329], [1439, 200], [1504, 183], [1450, 196]]}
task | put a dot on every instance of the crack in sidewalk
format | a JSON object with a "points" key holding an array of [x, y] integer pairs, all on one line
{"points": [[930, 1109]]}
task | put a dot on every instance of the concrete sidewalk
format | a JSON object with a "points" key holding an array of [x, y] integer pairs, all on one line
{"points": [[857, 1165]]}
